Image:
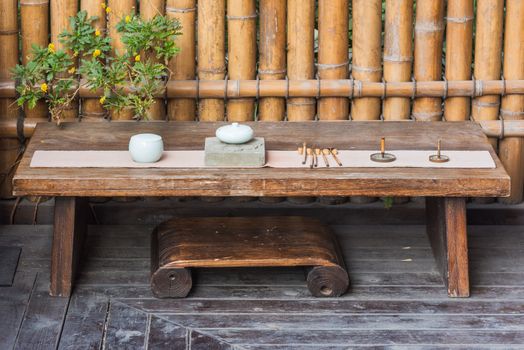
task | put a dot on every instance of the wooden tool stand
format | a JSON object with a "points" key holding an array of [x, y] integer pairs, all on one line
{"points": [[184, 243]]}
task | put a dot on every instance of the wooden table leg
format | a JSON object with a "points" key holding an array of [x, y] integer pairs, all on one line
{"points": [[68, 235], [447, 231]]}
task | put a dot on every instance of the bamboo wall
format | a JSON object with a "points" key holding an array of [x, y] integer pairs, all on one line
{"points": [[301, 60]]}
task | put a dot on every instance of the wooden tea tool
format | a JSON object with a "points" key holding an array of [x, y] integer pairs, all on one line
{"points": [[309, 152], [334, 152], [439, 157], [315, 157], [383, 157], [324, 156], [303, 151]]}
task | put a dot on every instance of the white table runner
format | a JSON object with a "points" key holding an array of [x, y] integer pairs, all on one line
{"points": [[275, 159]]}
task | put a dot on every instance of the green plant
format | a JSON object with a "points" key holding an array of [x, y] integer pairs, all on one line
{"points": [[51, 74], [129, 80], [43, 78]]}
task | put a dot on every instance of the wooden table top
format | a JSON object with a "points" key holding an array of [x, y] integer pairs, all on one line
{"points": [[265, 181]]}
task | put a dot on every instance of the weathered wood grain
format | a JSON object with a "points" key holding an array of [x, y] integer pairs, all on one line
{"points": [[335, 306], [214, 242], [391, 299], [263, 182], [70, 225], [85, 321], [13, 304], [448, 236], [43, 319], [201, 341], [363, 337], [164, 334], [126, 327], [8, 263]]}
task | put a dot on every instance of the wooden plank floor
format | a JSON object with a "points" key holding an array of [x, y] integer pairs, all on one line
{"points": [[397, 299]]}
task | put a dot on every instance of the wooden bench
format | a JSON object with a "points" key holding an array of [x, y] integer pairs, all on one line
{"points": [[446, 189], [213, 242]]}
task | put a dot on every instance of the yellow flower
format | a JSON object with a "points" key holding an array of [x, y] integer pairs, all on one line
{"points": [[128, 19], [103, 5], [51, 48], [96, 53], [72, 70], [108, 10], [137, 58], [97, 32], [102, 100], [43, 87]]}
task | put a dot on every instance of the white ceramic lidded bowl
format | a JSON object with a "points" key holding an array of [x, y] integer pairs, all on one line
{"points": [[235, 133], [146, 148]]}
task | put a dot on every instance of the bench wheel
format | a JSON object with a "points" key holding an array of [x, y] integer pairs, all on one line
{"points": [[327, 281], [171, 283]]}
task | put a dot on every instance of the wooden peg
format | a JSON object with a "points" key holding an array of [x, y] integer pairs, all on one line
{"points": [[439, 157], [304, 146], [383, 157], [334, 153], [324, 152], [309, 152]]}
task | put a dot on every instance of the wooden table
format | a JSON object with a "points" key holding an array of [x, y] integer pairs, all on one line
{"points": [[446, 189]]}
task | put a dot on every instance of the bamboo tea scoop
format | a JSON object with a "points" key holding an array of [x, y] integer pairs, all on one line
{"points": [[309, 152], [324, 156], [304, 150], [334, 152]]}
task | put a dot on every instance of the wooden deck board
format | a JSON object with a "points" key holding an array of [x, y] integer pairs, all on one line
{"points": [[396, 299]]}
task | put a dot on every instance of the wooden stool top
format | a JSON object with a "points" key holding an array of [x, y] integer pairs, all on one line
{"points": [[245, 242]]}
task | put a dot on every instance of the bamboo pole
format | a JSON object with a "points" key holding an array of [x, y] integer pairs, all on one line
{"points": [[152, 8], [91, 109], [301, 55], [398, 54], [211, 54], [211, 59], [242, 50], [34, 30], [459, 48], [309, 88], [367, 62], [148, 10], [398, 58], [511, 150], [333, 23], [242, 57], [119, 9], [488, 59], [488, 56], [367, 55], [9, 147], [272, 64], [300, 63], [61, 12], [183, 64], [429, 30]]}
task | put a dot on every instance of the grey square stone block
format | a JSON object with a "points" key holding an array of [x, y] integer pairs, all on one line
{"points": [[251, 154]]}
